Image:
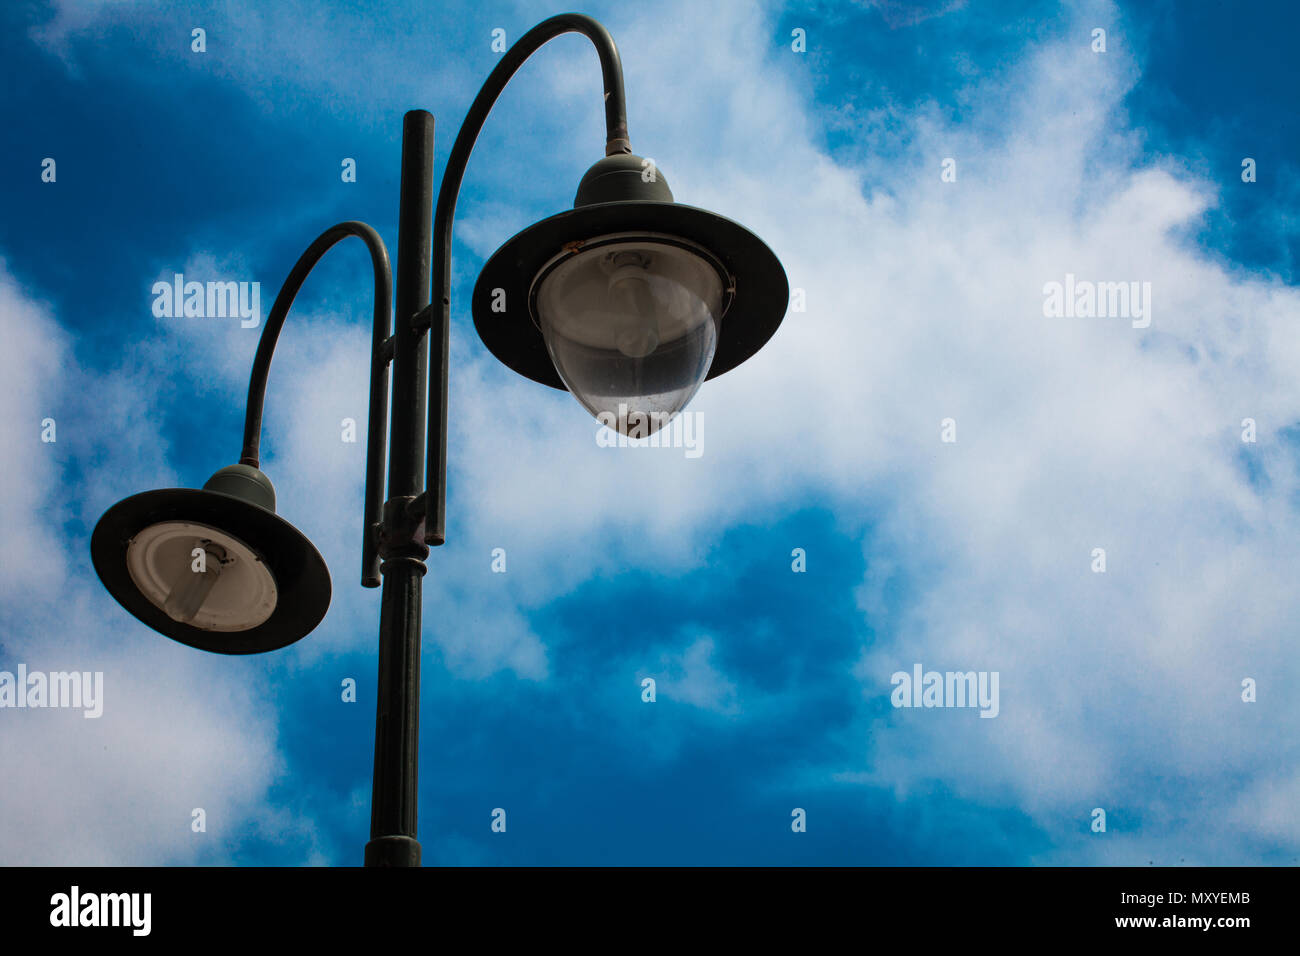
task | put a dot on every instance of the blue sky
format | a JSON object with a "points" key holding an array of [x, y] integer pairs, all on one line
{"points": [[1119, 690]]}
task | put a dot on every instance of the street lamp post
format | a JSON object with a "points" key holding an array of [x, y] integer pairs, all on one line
{"points": [[628, 300]]}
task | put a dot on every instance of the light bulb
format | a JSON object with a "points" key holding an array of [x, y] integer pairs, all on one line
{"points": [[632, 303], [235, 592], [190, 588]]}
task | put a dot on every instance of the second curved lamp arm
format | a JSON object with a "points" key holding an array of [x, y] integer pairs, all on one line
{"points": [[616, 141], [380, 352]]}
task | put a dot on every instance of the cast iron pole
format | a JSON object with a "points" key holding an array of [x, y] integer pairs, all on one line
{"points": [[414, 515], [401, 545]]}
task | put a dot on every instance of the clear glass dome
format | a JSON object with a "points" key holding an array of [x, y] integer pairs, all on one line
{"points": [[632, 327]]}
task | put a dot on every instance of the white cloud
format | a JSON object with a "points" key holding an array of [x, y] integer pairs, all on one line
{"points": [[925, 301], [349, 59], [691, 678], [30, 561]]}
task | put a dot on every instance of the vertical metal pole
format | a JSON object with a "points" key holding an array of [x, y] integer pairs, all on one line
{"points": [[397, 717]]}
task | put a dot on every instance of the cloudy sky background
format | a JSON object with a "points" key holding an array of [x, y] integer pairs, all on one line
{"points": [[924, 302]]}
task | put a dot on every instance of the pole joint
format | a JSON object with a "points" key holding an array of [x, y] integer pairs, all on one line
{"points": [[422, 321], [401, 533]]}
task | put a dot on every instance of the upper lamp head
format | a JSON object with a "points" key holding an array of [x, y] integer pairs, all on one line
{"points": [[216, 569], [629, 300]]}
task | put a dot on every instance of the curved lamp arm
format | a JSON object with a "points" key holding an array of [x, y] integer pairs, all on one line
{"points": [[616, 141], [377, 430]]}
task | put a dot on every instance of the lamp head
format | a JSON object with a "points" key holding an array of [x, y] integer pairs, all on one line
{"points": [[630, 300], [216, 569]]}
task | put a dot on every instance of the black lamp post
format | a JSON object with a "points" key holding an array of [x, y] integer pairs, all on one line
{"points": [[627, 299]]}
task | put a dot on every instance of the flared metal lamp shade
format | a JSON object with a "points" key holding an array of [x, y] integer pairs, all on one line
{"points": [[630, 300], [214, 569]]}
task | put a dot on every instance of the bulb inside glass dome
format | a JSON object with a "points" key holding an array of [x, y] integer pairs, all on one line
{"points": [[632, 327], [633, 307]]}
